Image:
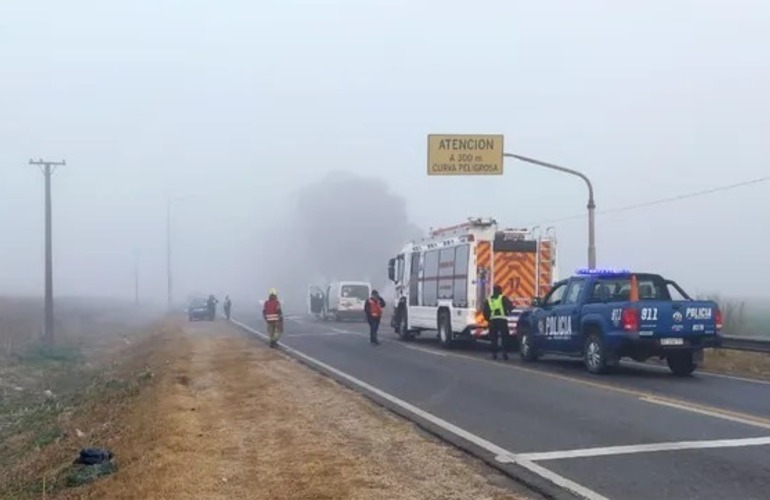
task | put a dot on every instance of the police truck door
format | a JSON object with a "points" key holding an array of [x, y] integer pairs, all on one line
{"points": [[567, 322], [545, 318]]}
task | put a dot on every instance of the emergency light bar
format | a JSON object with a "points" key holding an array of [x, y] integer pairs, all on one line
{"points": [[602, 272]]}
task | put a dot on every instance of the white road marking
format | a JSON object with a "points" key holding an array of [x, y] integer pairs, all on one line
{"points": [[422, 349], [733, 377], [705, 411], [500, 453], [322, 334], [644, 448], [349, 332]]}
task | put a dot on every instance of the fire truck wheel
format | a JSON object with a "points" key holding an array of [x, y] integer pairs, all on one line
{"points": [[445, 330], [402, 331]]}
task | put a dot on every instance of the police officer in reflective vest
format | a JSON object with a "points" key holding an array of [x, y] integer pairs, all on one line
{"points": [[373, 310], [497, 308], [273, 315]]}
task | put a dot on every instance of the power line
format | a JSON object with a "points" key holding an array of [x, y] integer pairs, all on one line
{"points": [[670, 199]]}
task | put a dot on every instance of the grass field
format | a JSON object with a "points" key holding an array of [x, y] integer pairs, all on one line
{"points": [[41, 385]]}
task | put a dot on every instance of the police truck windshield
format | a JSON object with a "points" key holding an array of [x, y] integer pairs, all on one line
{"points": [[360, 292]]}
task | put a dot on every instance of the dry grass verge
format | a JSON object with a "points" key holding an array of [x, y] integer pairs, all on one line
{"points": [[228, 418], [48, 394], [749, 364]]}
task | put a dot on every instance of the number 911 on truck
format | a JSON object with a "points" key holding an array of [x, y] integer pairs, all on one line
{"points": [[605, 315], [442, 281]]}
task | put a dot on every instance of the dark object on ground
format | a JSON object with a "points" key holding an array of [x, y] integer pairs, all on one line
{"points": [[92, 464], [94, 456]]}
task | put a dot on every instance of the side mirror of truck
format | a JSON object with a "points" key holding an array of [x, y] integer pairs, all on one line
{"points": [[392, 269], [537, 302]]}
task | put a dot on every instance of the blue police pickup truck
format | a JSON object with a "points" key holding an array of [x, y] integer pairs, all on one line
{"points": [[605, 315]]}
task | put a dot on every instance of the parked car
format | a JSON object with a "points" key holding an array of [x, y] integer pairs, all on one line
{"points": [[198, 310]]}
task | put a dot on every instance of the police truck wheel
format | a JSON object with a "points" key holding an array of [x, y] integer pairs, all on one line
{"points": [[681, 363], [445, 330], [594, 355], [526, 349]]}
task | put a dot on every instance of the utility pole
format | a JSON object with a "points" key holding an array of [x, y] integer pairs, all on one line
{"points": [[48, 168], [136, 278], [168, 254]]}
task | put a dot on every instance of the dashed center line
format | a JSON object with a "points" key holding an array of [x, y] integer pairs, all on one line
{"points": [[710, 412]]}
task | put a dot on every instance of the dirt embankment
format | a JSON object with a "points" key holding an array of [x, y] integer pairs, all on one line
{"points": [[748, 364], [201, 411]]}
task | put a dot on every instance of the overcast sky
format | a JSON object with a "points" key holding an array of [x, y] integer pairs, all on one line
{"points": [[231, 105]]}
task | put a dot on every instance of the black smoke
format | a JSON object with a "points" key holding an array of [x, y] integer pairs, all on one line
{"points": [[343, 227], [352, 225]]}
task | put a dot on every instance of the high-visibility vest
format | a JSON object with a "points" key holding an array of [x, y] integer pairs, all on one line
{"points": [[375, 311], [272, 310], [496, 308]]}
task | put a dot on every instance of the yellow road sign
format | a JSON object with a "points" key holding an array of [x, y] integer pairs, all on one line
{"points": [[456, 154]]}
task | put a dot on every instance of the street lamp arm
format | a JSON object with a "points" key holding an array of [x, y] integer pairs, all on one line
{"points": [[591, 203]]}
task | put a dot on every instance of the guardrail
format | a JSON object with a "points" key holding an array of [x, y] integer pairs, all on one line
{"points": [[752, 344]]}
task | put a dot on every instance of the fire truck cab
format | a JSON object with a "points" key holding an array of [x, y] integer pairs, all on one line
{"points": [[442, 281]]}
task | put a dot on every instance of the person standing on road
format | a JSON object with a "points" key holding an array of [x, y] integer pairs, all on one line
{"points": [[497, 308], [226, 305], [273, 315], [212, 307], [373, 310]]}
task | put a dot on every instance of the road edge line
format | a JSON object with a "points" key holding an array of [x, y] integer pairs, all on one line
{"points": [[527, 473]]}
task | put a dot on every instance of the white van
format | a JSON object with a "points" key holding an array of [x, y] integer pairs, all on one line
{"points": [[340, 300]]}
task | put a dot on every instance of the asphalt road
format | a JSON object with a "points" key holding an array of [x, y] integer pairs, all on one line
{"points": [[554, 406]]}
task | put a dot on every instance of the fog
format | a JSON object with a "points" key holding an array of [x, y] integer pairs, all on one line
{"points": [[289, 138]]}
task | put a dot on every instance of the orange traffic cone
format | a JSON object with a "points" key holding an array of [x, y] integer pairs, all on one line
{"points": [[634, 293]]}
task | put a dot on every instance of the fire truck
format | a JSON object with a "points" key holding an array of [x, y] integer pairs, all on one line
{"points": [[442, 281]]}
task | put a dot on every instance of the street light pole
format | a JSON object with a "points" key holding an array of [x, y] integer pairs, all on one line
{"points": [[591, 204]]}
